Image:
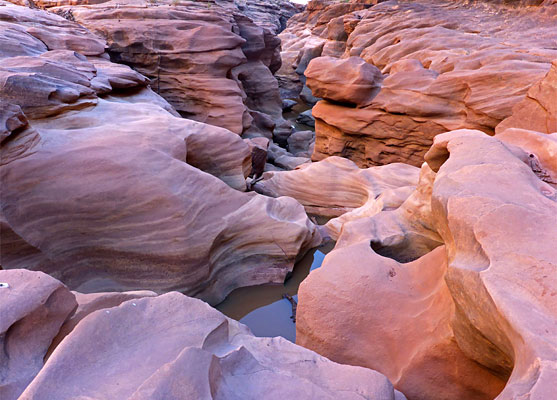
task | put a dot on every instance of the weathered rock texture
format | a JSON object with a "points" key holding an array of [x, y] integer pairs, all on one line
{"points": [[490, 315], [213, 61], [447, 66], [336, 187], [350, 81], [105, 189], [135, 346], [538, 111], [33, 306]]}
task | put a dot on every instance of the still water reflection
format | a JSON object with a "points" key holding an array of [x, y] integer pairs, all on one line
{"points": [[263, 309]]}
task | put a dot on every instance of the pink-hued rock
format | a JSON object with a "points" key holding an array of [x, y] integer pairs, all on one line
{"points": [[176, 347], [446, 67], [126, 201], [399, 323], [492, 201], [11, 119], [91, 302], [107, 189], [336, 187], [33, 306], [349, 80]]}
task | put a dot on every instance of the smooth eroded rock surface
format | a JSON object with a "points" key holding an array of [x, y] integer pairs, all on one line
{"points": [[176, 347], [336, 187], [213, 61], [492, 201], [107, 189], [33, 307], [349, 80]]}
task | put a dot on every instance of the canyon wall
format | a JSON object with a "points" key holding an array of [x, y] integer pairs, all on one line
{"points": [[444, 65], [212, 61], [105, 187]]}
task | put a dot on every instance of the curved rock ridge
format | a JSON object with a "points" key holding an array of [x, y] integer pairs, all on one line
{"points": [[213, 61], [489, 315], [105, 188], [136, 346], [336, 187], [447, 66], [33, 307]]}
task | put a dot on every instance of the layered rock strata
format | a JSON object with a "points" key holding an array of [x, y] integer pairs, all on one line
{"points": [[213, 61], [105, 188], [447, 66], [336, 187]]}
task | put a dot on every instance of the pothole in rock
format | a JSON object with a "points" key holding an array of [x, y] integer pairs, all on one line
{"points": [[263, 309]]}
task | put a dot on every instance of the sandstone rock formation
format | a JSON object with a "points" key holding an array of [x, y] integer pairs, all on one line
{"points": [[105, 189], [301, 143], [538, 111], [442, 280], [89, 303], [300, 45], [170, 346], [208, 59], [33, 306], [492, 201], [419, 354], [350, 81], [447, 66], [336, 187]]}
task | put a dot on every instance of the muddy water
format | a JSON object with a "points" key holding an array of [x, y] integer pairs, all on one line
{"points": [[263, 309]]}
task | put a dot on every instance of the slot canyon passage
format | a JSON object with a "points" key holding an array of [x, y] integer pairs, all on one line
{"points": [[249, 199]]}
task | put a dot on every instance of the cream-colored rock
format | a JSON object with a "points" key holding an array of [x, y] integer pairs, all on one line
{"points": [[336, 187]]}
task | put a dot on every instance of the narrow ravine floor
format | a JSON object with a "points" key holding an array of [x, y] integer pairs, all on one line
{"points": [[293, 114], [263, 309]]}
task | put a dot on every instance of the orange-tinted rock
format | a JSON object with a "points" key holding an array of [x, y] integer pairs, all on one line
{"points": [[446, 68], [538, 111], [175, 347], [349, 80], [391, 317], [371, 137], [492, 201], [33, 306]]}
